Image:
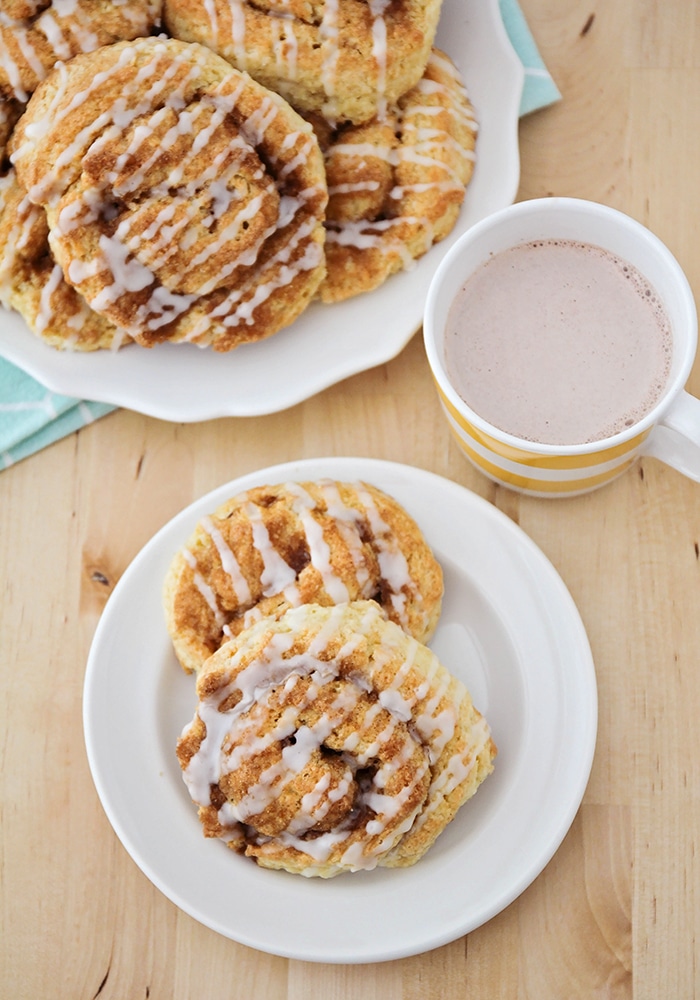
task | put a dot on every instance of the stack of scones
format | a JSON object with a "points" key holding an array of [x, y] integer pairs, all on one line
{"points": [[327, 737]]}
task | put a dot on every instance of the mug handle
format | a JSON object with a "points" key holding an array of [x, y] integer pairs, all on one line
{"points": [[676, 438]]}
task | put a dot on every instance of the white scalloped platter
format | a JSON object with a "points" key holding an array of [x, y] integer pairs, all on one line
{"points": [[185, 383], [509, 629]]}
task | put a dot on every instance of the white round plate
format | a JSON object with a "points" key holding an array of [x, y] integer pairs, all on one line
{"points": [[509, 629], [327, 343]]}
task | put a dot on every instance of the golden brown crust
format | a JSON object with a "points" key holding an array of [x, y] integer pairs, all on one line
{"points": [[344, 59], [312, 542], [330, 741], [33, 284], [184, 201], [35, 34], [10, 110], [396, 185]]}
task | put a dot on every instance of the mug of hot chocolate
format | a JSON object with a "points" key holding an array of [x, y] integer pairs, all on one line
{"points": [[560, 334]]}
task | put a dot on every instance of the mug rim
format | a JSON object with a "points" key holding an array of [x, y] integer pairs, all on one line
{"points": [[534, 206]]}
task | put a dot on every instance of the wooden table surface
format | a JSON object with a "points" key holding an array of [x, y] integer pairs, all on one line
{"points": [[615, 913]]}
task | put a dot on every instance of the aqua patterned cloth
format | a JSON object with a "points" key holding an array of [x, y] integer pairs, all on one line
{"points": [[32, 417]]}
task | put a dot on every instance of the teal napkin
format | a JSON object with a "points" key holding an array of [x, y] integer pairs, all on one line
{"points": [[539, 89], [32, 417]]}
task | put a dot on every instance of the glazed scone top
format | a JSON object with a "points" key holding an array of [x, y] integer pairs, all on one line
{"points": [[184, 200], [294, 543]]}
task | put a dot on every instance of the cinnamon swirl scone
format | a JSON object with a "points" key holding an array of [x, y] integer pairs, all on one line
{"points": [[278, 546], [329, 741], [185, 202], [32, 283], [345, 59], [396, 184]]}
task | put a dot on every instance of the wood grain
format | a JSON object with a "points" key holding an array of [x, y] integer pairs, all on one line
{"points": [[614, 914]]}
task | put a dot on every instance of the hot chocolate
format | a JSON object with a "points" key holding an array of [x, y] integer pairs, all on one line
{"points": [[559, 342]]}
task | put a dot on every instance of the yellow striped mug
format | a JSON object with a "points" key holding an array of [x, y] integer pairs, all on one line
{"points": [[670, 431]]}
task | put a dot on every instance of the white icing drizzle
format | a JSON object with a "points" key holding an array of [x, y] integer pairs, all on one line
{"points": [[237, 12], [203, 587], [328, 32], [455, 772], [319, 549], [364, 150], [213, 32], [17, 237], [46, 312], [55, 36], [81, 27], [347, 521], [379, 51], [277, 576], [352, 188], [305, 149], [229, 562], [28, 51], [378, 236], [400, 755], [392, 561], [11, 67]]}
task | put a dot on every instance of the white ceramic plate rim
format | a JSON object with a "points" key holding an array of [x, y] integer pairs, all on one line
{"points": [[327, 343], [509, 629]]}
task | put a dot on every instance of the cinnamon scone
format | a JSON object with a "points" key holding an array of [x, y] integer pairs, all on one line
{"points": [[185, 202], [344, 59], [278, 546], [396, 184], [330, 741], [32, 283]]}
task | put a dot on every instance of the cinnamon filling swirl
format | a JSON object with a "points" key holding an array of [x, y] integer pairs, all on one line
{"points": [[184, 201]]}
